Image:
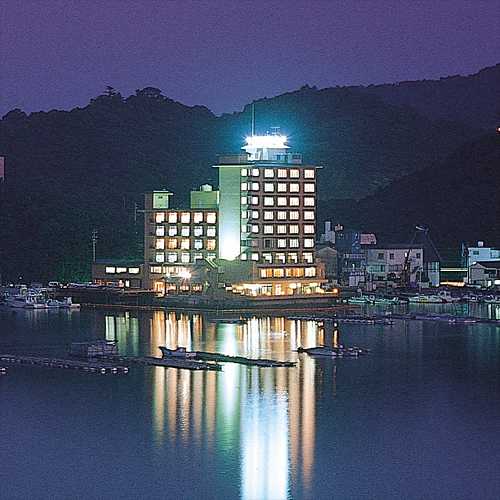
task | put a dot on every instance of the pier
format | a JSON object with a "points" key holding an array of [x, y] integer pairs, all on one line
{"points": [[224, 358], [188, 364]]}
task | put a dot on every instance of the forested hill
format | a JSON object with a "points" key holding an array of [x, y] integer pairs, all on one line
{"points": [[68, 172]]}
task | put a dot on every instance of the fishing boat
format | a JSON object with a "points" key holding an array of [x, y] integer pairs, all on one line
{"points": [[180, 352]]}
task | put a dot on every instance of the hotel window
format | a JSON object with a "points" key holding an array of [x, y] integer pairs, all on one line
{"points": [[294, 242], [253, 200], [198, 231], [309, 187], [198, 244], [210, 244], [255, 256], [244, 186], [211, 217], [198, 217], [160, 217], [298, 272], [288, 272], [309, 201], [198, 256], [134, 270], [268, 187], [294, 215], [160, 244], [280, 258], [268, 201], [160, 231], [155, 269], [160, 257], [292, 258], [281, 229], [268, 258], [294, 173], [281, 215], [121, 269], [268, 243], [254, 172], [251, 228], [268, 229], [172, 217], [294, 201], [211, 255], [308, 242], [268, 215], [185, 258], [211, 231], [244, 256], [308, 228], [244, 200], [281, 201], [172, 244], [185, 217], [266, 273], [307, 257], [309, 173], [268, 173], [255, 214], [310, 272], [309, 215], [278, 273], [294, 229], [253, 243], [110, 270], [185, 230], [172, 230], [294, 187], [244, 172], [282, 173], [253, 186], [172, 257], [282, 243], [281, 187], [185, 242]]}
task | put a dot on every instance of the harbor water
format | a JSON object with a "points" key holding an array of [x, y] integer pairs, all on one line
{"points": [[418, 417]]}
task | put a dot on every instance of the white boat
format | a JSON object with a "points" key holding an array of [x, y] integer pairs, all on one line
{"points": [[67, 303], [18, 302], [425, 299]]}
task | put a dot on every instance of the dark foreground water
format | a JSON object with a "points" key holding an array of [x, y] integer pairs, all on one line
{"points": [[418, 418]]}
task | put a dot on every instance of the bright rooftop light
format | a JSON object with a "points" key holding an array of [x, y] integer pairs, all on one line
{"points": [[266, 141]]}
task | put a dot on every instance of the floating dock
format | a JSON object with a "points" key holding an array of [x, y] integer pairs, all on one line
{"points": [[188, 364]]}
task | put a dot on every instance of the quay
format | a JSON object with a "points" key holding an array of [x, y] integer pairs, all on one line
{"points": [[67, 364], [188, 364]]}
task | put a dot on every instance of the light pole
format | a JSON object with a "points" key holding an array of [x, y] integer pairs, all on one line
{"points": [[94, 242]]}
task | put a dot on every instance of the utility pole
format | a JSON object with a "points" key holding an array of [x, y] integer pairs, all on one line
{"points": [[94, 242]]}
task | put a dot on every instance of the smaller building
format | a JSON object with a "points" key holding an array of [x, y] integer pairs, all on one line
{"points": [[118, 273], [485, 274]]}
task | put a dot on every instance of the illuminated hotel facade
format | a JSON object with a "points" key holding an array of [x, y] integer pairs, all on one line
{"points": [[260, 239]]}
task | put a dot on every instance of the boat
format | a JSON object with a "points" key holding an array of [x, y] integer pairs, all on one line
{"points": [[180, 352], [67, 303], [425, 299], [18, 302], [52, 304], [362, 299], [333, 352]]}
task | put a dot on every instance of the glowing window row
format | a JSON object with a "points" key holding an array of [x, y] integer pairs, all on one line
{"points": [[279, 187], [184, 244], [178, 271], [288, 272], [184, 257], [280, 201], [280, 257], [186, 217], [120, 270], [269, 215], [280, 243], [280, 173], [196, 231]]}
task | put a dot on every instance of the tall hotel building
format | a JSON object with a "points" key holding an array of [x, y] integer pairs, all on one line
{"points": [[256, 235]]}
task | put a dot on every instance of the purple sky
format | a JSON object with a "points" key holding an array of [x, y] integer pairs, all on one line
{"points": [[224, 54]]}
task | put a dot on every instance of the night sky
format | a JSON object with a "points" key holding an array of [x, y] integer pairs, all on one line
{"points": [[224, 54]]}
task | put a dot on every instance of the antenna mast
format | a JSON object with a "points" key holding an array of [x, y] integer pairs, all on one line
{"points": [[253, 118]]}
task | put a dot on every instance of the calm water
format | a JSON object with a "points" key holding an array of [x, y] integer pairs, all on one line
{"points": [[417, 418]]}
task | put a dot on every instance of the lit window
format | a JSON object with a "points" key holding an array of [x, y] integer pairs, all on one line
{"points": [[160, 217], [309, 173], [198, 256], [211, 217], [160, 231], [281, 187], [309, 215], [160, 257], [281, 201], [309, 229], [121, 269], [198, 231], [282, 243], [294, 229], [172, 217], [308, 242], [211, 255], [253, 186], [185, 257], [185, 231], [282, 173], [255, 172], [310, 272], [172, 244], [294, 187], [294, 242], [110, 270], [160, 244], [268, 173], [255, 256], [281, 229], [211, 231], [292, 258], [309, 201], [288, 272], [198, 244], [210, 244], [280, 258], [244, 172], [172, 230], [281, 215], [268, 201], [298, 272], [268, 229], [251, 228], [185, 244], [244, 186], [268, 215], [255, 214], [294, 215], [278, 272], [198, 217], [294, 173], [244, 200], [253, 200], [155, 269], [268, 257], [294, 201], [268, 187], [243, 256], [309, 187], [172, 257]]}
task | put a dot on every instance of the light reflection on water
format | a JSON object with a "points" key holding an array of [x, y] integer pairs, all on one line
{"points": [[348, 428]]}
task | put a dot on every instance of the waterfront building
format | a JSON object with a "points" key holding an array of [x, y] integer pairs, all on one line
{"points": [[118, 273]]}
